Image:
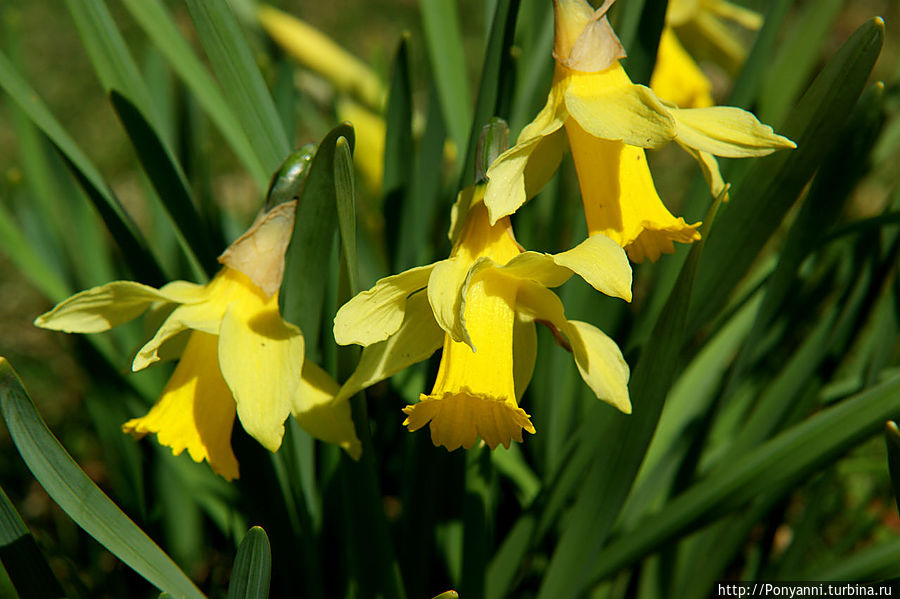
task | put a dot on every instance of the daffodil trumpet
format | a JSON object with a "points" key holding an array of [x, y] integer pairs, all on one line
{"points": [[481, 305], [609, 122], [240, 357]]}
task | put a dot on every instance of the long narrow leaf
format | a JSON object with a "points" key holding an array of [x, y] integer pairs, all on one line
{"points": [[78, 496], [252, 567]]}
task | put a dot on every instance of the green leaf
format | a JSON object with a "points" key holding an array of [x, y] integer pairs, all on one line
{"points": [[892, 439], [345, 203], [778, 465], [614, 444], [773, 183], [26, 566], [448, 59], [28, 262], [141, 261], [759, 60], [78, 496], [252, 567], [171, 186], [308, 255], [496, 86], [159, 27], [398, 139], [241, 81]]}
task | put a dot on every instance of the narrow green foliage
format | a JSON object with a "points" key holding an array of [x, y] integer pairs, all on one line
{"points": [[241, 81], [641, 25], [25, 564], [169, 181], [78, 496], [759, 60], [252, 567], [445, 52], [892, 439], [756, 209]]}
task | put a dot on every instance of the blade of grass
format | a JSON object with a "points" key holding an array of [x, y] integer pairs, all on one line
{"points": [[159, 27], [134, 248], [171, 186], [443, 39], [78, 496], [756, 209], [241, 81], [639, 28], [25, 565], [252, 567], [778, 464]]}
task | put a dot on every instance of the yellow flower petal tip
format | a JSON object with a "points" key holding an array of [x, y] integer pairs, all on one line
{"points": [[448, 595], [459, 419]]}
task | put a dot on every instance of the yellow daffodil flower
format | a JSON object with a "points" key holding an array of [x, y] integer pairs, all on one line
{"points": [[676, 77], [481, 305], [609, 121], [240, 356]]}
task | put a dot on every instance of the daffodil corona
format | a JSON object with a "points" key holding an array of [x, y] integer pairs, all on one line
{"points": [[609, 121], [481, 305], [240, 356]]}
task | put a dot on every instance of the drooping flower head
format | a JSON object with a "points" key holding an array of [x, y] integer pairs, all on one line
{"points": [[676, 76], [481, 305], [608, 121], [240, 356]]}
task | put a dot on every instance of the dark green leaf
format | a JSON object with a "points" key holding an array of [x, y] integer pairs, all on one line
{"points": [[78, 496], [26, 566], [242, 83], [252, 567]]}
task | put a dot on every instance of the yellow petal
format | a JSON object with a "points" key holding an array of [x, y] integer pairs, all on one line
{"points": [[521, 171], [418, 337], [447, 295], [676, 77], [524, 353], [598, 358], [204, 314], [316, 51], [710, 168], [376, 314], [679, 12], [727, 131], [620, 199], [599, 260], [196, 409], [609, 106], [100, 308], [323, 417], [744, 17], [261, 357]]}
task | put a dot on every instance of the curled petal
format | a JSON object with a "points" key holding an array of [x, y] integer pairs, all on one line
{"points": [[727, 131], [376, 314], [598, 358], [447, 289], [321, 414], [710, 168]]}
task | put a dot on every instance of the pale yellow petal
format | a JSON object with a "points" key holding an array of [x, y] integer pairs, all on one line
{"points": [[676, 77], [197, 317], [727, 131], [418, 337], [320, 414], [598, 358], [261, 357], [609, 106], [599, 260], [744, 17], [447, 288], [524, 353], [376, 314], [521, 171], [710, 168], [100, 308], [196, 409]]}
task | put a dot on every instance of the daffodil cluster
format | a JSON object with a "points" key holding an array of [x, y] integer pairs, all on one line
{"points": [[237, 355], [482, 303], [609, 121]]}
